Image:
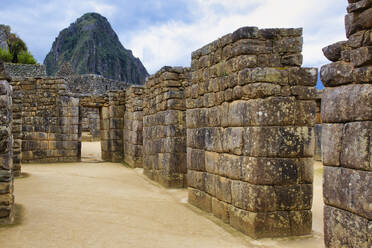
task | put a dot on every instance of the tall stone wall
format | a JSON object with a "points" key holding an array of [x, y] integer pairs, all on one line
{"points": [[17, 99], [133, 126], [318, 129], [164, 129], [112, 123], [50, 120], [6, 156], [250, 139], [347, 133]]}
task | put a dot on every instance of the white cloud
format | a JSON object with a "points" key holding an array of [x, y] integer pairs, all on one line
{"points": [[172, 43]]}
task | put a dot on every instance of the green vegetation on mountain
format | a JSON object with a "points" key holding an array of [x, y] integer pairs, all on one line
{"points": [[91, 46], [13, 49]]}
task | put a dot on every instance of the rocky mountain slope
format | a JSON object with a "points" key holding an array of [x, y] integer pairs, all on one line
{"points": [[91, 46]]}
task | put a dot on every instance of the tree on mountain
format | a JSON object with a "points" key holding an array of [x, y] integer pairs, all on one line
{"points": [[17, 52]]}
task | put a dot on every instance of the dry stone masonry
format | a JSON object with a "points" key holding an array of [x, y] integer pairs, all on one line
{"points": [[112, 124], [250, 140], [6, 154], [24, 70], [347, 133], [164, 127], [133, 126], [90, 124]]}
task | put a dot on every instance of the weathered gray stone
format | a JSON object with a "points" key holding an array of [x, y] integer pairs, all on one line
{"points": [[332, 143], [333, 52], [347, 103], [358, 21], [344, 229], [336, 74], [356, 145], [279, 142], [338, 193], [361, 56]]}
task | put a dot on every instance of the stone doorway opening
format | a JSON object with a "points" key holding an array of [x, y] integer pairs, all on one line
{"points": [[91, 124]]}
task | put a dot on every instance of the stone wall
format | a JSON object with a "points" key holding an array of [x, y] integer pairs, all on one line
{"points": [[90, 124], [24, 70], [112, 123], [250, 139], [50, 120], [91, 84], [6, 156], [347, 133], [318, 129], [133, 125], [164, 139], [17, 99]]}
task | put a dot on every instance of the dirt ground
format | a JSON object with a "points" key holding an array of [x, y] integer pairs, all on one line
{"points": [[96, 204]]}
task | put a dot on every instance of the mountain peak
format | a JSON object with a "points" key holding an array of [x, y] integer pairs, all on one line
{"points": [[90, 45]]}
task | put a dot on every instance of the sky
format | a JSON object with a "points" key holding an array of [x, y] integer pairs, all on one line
{"points": [[165, 32]]}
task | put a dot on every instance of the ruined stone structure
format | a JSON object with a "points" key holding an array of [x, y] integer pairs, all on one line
{"points": [[111, 107], [237, 128], [24, 70], [90, 124], [6, 156], [50, 120], [347, 133], [250, 139], [133, 126], [164, 127]]}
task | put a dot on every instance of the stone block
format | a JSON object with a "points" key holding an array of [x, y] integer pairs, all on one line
{"points": [[292, 60], [249, 47], [212, 162], [363, 74], [261, 225], [333, 52], [279, 142], [270, 171], [357, 145], [361, 56], [332, 143], [245, 33], [355, 22], [220, 210], [213, 139], [347, 103], [288, 45], [344, 229], [200, 199], [260, 90], [273, 111], [196, 179], [196, 138], [230, 166], [265, 75], [223, 189], [359, 5], [336, 74], [301, 222], [233, 140], [210, 183], [349, 190], [256, 198]]}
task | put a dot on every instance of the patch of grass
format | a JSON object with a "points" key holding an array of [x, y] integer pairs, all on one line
{"points": [[25, 57], [5, 55]]}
